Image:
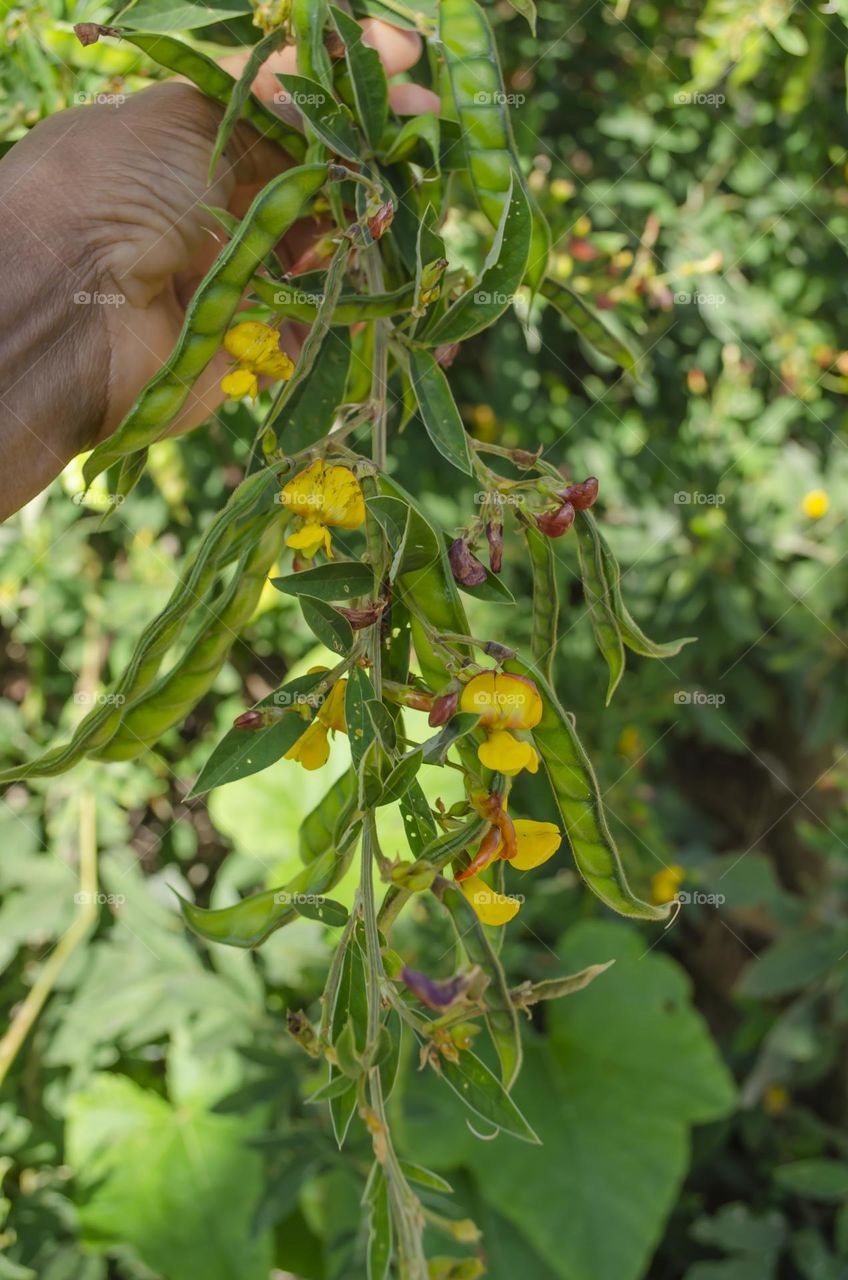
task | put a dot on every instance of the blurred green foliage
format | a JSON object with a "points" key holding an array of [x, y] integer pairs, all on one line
{"points": [[155, 1123]]}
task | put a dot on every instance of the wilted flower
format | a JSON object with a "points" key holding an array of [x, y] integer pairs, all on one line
{"points": [[553, 524], [466, 568], [434, 992], [582, 495]]}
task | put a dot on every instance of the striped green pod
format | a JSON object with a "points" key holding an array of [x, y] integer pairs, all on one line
{"points": [[481, 99], [209, 315], [99, 726], [286, 299], [578, 798], [176, 693], [543, 636]]}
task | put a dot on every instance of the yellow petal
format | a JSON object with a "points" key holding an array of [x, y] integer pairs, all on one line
{"points": [[309, 539], [491, 907], [503, 701], [665, 884], [312, 748], [536, 841], [332, 710], [507, 754], [343, 504], [256, 344], [239, 383], [275, 364], [304, 495]]}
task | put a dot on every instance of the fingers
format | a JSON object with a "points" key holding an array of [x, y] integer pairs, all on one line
{"points": [[398, 51], [413, 100]]}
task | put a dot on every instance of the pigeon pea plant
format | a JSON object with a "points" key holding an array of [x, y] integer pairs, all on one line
{"points": [[377, 583]]}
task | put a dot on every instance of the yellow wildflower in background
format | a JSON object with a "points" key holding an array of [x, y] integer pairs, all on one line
{"points": [[324, 497], [815, 504], [312, 748], [256, 346], [504, 702], [665, 884]]}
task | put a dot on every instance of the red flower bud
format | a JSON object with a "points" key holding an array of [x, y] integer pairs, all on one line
{"points": [[250, 720], [444, 707], [446, 355], [582, 495], [466, 568], [582, 250], [379, 223], [553, 524]]}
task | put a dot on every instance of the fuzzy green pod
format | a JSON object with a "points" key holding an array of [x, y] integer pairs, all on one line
{"points": [[175, 695], [209, 314]]}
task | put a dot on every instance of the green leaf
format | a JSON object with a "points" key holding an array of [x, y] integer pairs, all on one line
{"points": [[259, 54], [367, 77], [178, 1184], [391, 515], [426, 1177], [482, 1092], [324, 825], [379, 1228], [438, 410], [418, 134], [500, 280], [308, 416], [797, 959], [339, 580], [814, 1179], [329, 120], [327, 624], [153, 15], [418, 822], [324, 910], [401, 778], [527, 9], [360, 726], [241, 753]]}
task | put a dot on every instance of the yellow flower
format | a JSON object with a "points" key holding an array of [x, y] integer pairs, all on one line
{"points": [[322, 496], [256, 346], [504, 702], [312, 748], [665, 884], [530, 844], [815, 504], [775, 1100], [491, 907]]}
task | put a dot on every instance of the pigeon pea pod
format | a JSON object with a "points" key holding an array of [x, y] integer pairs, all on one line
{"points": [[176, 693], [209, 314], [97, 728], [578, 799]]}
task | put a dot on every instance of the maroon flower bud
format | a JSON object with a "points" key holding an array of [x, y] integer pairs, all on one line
{"points": [[444, 707], [359, 619], [334, 45], [379, 222], [494, 537], [604, 302], [250, 720], [524, 458], [433, 992], [582, 250], [499, 652], [582, 495], [553, 524], [446, 355], [466, 568], [90, 32]]}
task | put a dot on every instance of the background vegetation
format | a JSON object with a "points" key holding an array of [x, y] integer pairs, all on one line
{"points": [[154, 1123]]}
